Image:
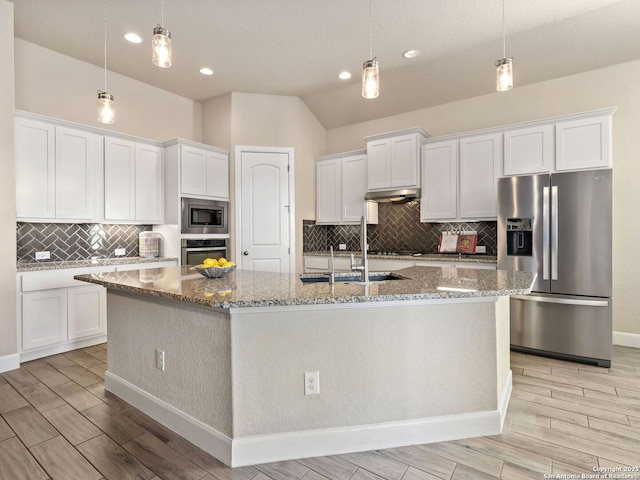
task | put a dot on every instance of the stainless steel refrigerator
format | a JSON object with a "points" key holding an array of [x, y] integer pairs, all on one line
{"points": [[560, 226]]}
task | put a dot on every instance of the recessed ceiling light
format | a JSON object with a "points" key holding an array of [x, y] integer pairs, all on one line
{"points": [[206, 71], [344, 75], [411, 53], [133, 37]]}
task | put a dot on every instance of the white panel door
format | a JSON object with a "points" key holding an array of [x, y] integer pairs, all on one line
{"points": [[480, 159], [44, 318], [379, 164], [439, 193], [218, 175], [193, 169], [529, 150], [404, 161], [87, 311], [35, 169], [75, 167], [119, 180], [264, 200], [354, 188], [149, 186], [328, 191]]}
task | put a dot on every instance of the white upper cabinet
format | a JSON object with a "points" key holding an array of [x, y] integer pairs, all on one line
{"points": [[393, 159], [204, 173], [529, 150], [439, 200], [584, 143], [56, 170], [459, 178], [341, 184], [480, 159], [133, 182]]}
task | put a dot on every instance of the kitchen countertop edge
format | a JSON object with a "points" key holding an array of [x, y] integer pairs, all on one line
{"points": [[101, 262], [436, 257]]}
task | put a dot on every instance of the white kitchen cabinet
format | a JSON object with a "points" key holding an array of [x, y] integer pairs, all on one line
{"points": [[393, 159], [133, 182], [204, 173], [439, 193], [454, 264], [44, 318], [86, 311], [529, 150], [480, 160], [55, 172], [460, 178], [584, 143], [341, 184]]}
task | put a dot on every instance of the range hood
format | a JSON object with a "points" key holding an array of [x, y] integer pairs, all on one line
{"points": [[394, 196]]}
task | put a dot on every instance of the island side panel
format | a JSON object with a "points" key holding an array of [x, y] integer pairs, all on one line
{"points": [[503, 349], [196, 342], [377, 364]]}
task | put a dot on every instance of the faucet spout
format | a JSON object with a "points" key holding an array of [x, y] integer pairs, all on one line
{"points": [[363, 267]]}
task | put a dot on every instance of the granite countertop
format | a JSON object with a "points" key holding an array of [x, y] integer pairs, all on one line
{"points": [[99, 262], [243, 288], [439, 257]]}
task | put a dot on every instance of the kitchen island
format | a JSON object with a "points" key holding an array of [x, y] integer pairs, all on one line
{"points": [[419, 359]]}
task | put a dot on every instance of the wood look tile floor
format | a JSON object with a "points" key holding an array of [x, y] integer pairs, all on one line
{"points": [[57, 422]]}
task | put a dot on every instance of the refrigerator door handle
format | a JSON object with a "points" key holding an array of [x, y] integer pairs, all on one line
{"points": [[563, 301], [554, 233], [545, 233]]}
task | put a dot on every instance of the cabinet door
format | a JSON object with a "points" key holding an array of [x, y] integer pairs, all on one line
{"points": [[149, 184], [354, 188], [529, 150], [378, 164], [193, 169], [404, 161], [480, 159], [328, 194], [35, 169], [439, 193], [583, 144], [44, 318], [119, 180], [87, 311], [75, 168], [217, 175]]}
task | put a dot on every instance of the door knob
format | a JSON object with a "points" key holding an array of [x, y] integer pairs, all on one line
{"points": [[246, 252]]}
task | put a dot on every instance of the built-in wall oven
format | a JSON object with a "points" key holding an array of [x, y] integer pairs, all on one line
{"points": [[195, 250], [204, 216]]}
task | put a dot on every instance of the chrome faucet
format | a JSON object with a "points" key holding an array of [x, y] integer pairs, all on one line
{"points": [[363, 268], [332, 272]]}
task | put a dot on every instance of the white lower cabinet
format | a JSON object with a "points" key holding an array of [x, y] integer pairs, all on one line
{"points": [[44, 318], [86, 311]]}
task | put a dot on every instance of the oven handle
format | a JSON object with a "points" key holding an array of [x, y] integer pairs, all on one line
{"points": [[203, 249]]}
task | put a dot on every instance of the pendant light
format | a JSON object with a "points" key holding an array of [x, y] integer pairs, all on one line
{"points": [[504, 66], [161, 43], [106, 112], [370, 69]]}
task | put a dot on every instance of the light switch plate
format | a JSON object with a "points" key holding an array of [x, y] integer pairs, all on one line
{"points": [[120, 252], [46, 255], [342, 246]]}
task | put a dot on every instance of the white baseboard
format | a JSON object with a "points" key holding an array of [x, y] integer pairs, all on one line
{"points": [[626, 339], [312, 443], [9, 362]]}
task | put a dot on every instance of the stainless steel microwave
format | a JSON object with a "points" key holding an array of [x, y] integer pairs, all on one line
{"points": [[204, 216]]}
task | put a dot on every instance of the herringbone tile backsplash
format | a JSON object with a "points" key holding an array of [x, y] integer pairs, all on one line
{"points": [[398, 229], [76, 241]]}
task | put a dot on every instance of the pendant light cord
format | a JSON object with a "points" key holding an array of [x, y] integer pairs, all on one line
{"points": [[504, 34], [162, 13], [370, 33], [105, 45]]}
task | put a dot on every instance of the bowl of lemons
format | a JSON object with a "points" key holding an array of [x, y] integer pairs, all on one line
{"points": [[212, 268]]}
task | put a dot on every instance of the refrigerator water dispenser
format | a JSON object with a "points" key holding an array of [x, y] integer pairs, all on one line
{"points": [[519, 236]]}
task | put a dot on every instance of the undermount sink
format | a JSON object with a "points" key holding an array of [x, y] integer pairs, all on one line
{"points": [[348, 277]]}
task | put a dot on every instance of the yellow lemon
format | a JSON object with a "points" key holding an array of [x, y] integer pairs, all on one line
{"points": [[229, 264], [209, 262], [222, 261]]}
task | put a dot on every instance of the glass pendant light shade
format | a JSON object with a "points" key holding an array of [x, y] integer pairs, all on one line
{"points": [[504, 74], [370, 79], [106, 112], [161, 47]]}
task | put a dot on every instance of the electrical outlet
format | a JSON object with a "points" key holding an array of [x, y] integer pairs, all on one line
{"points": [[46, 255], [311, 383], [120, 252], [481, 249], [342, 246], [160, 359]]}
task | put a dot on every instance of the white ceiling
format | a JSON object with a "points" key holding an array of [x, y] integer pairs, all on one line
{"points": [[297, 47]]}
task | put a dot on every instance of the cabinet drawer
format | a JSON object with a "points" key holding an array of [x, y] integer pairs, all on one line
{"points": [[32, 281], [317, 262]]}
